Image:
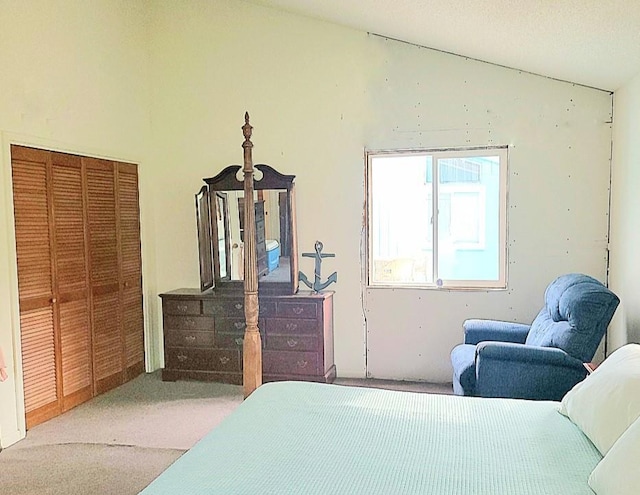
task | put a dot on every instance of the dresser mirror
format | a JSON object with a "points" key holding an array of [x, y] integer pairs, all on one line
{"points": [[204, 239], [276, 244]]}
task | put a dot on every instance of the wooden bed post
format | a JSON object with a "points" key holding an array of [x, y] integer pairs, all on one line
{"points": [[252, 345]]}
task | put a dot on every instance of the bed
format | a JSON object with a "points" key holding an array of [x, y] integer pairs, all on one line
{"points": [[319, 439], [309, 438]]}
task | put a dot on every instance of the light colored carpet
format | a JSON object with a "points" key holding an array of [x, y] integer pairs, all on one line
{"points": [[145, 412], [116, 443], [81, 469], [119, 442]]}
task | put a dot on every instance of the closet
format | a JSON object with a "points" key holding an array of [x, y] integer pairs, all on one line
{"points": [[79, 277]]}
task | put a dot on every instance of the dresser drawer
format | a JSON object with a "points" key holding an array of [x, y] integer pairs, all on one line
{"points": [[276, 326], [297, 309], [188, 338], [202, 359], [292, 343], [290, 363], [172, 322], [230, 325], [233, 340], [229, 340], [230, 307], [180, 307], [267, 308], [223, 307]]}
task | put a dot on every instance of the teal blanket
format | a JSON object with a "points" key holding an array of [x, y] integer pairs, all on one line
{"points": [[311, 439]]}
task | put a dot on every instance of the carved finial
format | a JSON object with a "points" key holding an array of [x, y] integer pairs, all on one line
{"points": [[246, 130]]}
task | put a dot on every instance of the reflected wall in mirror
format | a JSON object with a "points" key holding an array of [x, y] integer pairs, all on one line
{"points": [[222, 231], [276, 245]]}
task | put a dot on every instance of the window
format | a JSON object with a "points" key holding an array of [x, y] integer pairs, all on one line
{"points": [[464, 245]]}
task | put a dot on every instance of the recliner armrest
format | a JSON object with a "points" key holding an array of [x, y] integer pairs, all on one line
{"points": [[476, 331], [527, 372], [509, 351]]}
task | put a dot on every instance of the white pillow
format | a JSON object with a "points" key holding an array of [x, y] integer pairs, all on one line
{"points": [[607, 401], [617, 473]]}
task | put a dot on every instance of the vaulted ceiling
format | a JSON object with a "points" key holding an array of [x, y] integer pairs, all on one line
{"points": [[590, 42]]}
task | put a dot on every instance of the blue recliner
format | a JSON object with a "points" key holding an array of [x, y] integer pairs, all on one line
{"points": [[541, 361]]}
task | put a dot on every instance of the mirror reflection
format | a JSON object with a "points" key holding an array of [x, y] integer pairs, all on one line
{"points": [[222, 216], [275, 230], [272, 234]]}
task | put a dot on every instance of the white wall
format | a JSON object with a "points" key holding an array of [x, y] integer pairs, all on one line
{"points": [[625, 215], [559, 139], [74, 77]]}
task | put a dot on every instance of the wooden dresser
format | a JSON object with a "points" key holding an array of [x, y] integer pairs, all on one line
{"points": [[203, 334]]}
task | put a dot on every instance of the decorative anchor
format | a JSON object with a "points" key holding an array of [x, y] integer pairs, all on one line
{"points": [[318, 255]]}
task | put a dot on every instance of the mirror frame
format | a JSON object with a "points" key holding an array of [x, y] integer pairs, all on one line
{"points": [[227, 180], [203, 222]]}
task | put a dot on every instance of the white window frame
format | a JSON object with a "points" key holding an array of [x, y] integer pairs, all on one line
{"points": [[439, 153]]}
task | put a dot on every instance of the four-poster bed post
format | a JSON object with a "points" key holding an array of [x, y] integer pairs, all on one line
{"points": [[252, 345]]}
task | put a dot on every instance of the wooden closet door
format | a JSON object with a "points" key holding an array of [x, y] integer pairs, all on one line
{"points": [[71, 280], [108, 345], [33, 229], [130, 269]]}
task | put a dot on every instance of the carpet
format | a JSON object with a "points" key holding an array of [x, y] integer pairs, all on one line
{"points": [[118, 442]]}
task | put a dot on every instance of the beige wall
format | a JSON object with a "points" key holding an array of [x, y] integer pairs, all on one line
{"points": [[319, 95], [74, 77], [625, 215], [306, 86], [166, 84]]}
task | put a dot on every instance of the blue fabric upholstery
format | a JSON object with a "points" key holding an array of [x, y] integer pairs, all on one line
{"points": [[464, 369], [542, 361], [476, 331]]}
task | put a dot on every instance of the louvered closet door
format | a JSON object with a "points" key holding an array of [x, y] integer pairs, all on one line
{"points": [[35, 283], [108, 345], [71, 279], [131, 269]]}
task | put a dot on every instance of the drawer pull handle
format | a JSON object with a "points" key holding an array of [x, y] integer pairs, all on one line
{"points": [[298, 310], [182, 308], [190, 323], [238, 305], [239, 341], [224, 359], [291, 326], [292, 342], [190, 338], [239, 325], [182, 357], [302, 364]]}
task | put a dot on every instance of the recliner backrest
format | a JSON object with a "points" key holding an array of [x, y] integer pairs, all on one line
{"points": [[577, 311]]}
